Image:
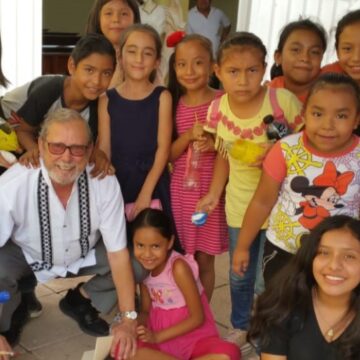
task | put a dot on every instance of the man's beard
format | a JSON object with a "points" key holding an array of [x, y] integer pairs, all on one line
{"points": [[66, 178]]}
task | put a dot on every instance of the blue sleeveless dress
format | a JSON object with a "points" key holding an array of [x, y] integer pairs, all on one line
{"points": [[134, 130]]}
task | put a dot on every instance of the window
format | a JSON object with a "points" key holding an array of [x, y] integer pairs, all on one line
{"points": [[21, 37]]}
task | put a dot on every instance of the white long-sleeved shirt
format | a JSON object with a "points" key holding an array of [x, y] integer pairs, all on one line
{"points": [[19, 219]]}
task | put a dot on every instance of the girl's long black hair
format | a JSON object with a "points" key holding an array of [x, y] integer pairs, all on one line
{"points": [[290, 291], [303, 24], [174, 86], [158, 220]]}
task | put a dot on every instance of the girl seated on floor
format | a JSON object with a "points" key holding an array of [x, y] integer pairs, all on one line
{"points": [[175, 321]]}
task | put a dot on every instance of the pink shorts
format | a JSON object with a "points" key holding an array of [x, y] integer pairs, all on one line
{"points": [[206, 346]]}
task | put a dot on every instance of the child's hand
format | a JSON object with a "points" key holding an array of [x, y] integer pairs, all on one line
{"points": [[196, 132], [6, 159], [146, 335], [142, 202], [102, 165], [240, 261], [207, 203], [31, 158], [266, 146], [207, 144]]}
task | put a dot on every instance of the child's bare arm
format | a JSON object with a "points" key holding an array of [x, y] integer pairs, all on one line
{"points": [[256, 214], [102, 148], [26, 134], [162, 153], [145, 305], [103, 140], [182, 142], [219, 179], [102, 164]]}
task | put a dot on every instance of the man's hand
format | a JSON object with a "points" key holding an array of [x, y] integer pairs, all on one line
{"points": [[146, 335], [240, 261], [31, 158], [124, 342], [4, 346], [102, 165]]}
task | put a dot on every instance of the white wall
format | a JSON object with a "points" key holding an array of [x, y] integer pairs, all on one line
{"points": [[265, 18], [21, 36], [21, 28]]}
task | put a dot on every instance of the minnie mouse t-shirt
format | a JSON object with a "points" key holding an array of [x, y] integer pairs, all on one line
{"points": [[314, 186]]}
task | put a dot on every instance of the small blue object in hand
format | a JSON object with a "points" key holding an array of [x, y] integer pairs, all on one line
{"points": [[4, 297], [199, 218]]}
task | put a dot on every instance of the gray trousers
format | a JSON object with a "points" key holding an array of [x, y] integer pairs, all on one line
{"points": [[100, 288]]}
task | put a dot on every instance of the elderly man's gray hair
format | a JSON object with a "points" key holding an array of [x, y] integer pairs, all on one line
{"points": [[63, 116]]}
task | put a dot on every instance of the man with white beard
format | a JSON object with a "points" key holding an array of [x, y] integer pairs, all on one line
{"points": [[58, 221]]}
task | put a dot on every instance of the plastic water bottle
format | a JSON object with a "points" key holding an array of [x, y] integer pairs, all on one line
{"points": [[192, 171], [274, 129], [4, 297]]}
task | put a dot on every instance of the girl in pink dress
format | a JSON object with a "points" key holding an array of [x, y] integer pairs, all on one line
{"points": [[190, 68], [175, 321]]}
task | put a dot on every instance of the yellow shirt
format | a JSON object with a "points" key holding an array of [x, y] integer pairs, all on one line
{"points": [[243, 178]]}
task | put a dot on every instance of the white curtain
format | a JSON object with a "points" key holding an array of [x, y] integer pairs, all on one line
{"points": [[266, 18], [21, 36]]}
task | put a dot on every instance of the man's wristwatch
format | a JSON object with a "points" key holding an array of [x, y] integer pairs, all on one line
{"points": [[132, 315]]}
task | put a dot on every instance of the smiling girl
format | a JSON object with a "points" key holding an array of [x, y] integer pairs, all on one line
{"points": [[347, 44], [135, 123], [307, 177], [190, 69], [311, 310], [110, 18], [175, 322], [298, 57]]}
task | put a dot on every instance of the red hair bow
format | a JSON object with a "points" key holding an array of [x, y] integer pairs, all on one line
{"points": [[174, 38], [331, 178]]}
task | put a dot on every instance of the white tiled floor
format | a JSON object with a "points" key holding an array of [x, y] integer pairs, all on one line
{"points": [[53, 336]]}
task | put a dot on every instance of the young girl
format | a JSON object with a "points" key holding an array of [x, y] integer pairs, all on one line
{"points": [[175, 316], [298, 57], [135, 123], [190, 69], [311, 310], [110, 18], [307, 176], [347, 43], [238, 116]]}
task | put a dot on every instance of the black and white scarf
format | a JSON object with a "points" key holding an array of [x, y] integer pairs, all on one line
{"points": [[45, 222]]}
